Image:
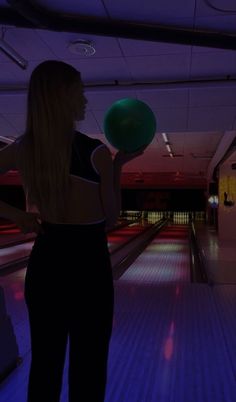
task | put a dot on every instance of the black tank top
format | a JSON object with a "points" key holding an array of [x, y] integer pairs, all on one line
{"points": [[83, 149]]}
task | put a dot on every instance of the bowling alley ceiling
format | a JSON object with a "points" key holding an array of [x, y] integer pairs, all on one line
{"points": [[177, 56]]}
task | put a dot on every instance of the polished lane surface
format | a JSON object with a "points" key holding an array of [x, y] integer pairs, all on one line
{"points": [[170, 338]]}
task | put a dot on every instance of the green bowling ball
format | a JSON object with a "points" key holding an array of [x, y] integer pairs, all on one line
{"points": [[129, 124]]}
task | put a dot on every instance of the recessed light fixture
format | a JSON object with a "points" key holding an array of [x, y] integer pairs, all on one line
{"points": [[164, 137], [82, 47], [167, 144]]}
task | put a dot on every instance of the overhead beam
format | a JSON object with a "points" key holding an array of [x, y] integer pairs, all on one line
{"points": [[25, 14], [135, 86]]}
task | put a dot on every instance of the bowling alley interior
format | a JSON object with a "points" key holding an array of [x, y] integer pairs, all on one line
{"points": [[173, 246]]}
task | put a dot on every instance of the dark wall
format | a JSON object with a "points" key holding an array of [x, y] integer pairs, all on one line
{"points": [[163, 200], [139, 200], [213, 188], [13, 195]]}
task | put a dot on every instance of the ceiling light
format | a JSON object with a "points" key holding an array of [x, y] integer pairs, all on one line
{"points": [[10, 52], [167, 143], [164, 137], [82, 47]]}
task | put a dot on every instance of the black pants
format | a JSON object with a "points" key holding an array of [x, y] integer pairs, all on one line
{"points": [[69, 294]]}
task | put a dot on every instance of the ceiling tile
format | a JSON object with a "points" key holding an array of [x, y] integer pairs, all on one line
{"points": [[177, 142], [206, 141], [211, 118], [171, 119], [27, 43], [16, 120], [212, 96], [102, 70], [91, 7], [152, 9], [6, 128], [22, 76], [204, 10], [213, 65], [163, 67], [132, 47], [6, 76], [164, 97], [12, 104], [104, 99]]}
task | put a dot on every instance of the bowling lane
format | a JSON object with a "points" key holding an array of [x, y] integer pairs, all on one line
{"points": [[116, 239], [166, 258], [11, 234], [169, 343], [119, 237]]}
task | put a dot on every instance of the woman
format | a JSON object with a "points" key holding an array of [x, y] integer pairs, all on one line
{"points": [[72, 183]]}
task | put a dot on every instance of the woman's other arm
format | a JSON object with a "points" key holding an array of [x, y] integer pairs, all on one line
{"points": [[27, 222]]}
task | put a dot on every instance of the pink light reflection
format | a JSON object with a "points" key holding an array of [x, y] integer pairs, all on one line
{"points": [[168, 350], [19, 295], [169, 343], [17, 292]]}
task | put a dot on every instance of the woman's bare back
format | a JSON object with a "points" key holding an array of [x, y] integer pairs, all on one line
{"points": [[84, 204]]}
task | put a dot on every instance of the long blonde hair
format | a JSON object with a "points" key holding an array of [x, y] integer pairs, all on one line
{"points": [[44, 150]]}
